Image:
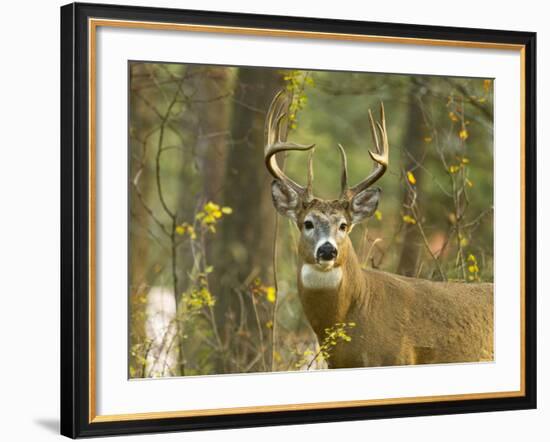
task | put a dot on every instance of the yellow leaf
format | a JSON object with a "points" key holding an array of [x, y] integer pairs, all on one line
{"points": [[469, 183], [409, 219], [454, 169], [411, 177], [453, 116], [378, 215], [227, 210], [211, 207], [180, 230], [463, 134], [271, 294]]}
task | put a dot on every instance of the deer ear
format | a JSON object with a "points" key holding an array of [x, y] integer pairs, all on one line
{"points": [[285, 199], [364, 204]]}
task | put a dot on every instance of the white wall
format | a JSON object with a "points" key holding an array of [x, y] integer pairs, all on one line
{"points": [[29, 220]]}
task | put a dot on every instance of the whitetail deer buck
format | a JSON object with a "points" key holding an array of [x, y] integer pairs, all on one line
{"points": [[399, 320]]}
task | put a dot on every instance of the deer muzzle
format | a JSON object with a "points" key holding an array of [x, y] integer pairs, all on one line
{"points": [[326, 252]]}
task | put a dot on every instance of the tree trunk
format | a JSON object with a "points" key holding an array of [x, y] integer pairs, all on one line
{"points": [[212, 108], [244, 244], [413, 139], [139, 241]]}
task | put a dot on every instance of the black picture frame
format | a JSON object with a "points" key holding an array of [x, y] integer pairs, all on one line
{"points": [[75, 220]]}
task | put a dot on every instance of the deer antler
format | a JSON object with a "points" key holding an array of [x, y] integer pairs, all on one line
{"points": [[276, 134], [380, 158]]}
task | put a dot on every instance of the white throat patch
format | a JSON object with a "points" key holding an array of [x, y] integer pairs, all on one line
{"points": [[313, 278]]}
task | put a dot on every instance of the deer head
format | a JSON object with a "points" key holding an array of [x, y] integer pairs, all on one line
{"points": [[324, 224]]}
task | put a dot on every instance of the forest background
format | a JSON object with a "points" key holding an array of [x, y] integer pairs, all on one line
{"points": [[212, 283]]}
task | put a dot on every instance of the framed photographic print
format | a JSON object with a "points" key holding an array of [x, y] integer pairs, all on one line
{"points": [[279, 220]]}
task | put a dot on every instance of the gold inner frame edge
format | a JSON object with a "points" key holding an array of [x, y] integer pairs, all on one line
{"points": [[92, 28]]}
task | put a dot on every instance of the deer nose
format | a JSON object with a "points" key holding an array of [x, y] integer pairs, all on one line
{"points": [[327, 252]]}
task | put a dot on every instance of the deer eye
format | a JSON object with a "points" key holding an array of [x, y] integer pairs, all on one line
{"points": [[308, 225], [343, 227]]}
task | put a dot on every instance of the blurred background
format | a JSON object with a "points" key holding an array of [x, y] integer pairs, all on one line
{"points": [[213, 268]]}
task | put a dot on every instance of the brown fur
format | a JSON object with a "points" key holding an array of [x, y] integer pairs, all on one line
{"points": [[401, 320]]}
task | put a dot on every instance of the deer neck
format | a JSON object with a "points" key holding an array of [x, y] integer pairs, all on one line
{"points": [[328, 296]]}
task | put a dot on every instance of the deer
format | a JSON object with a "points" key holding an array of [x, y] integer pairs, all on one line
{"points": [[398, 320]]}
